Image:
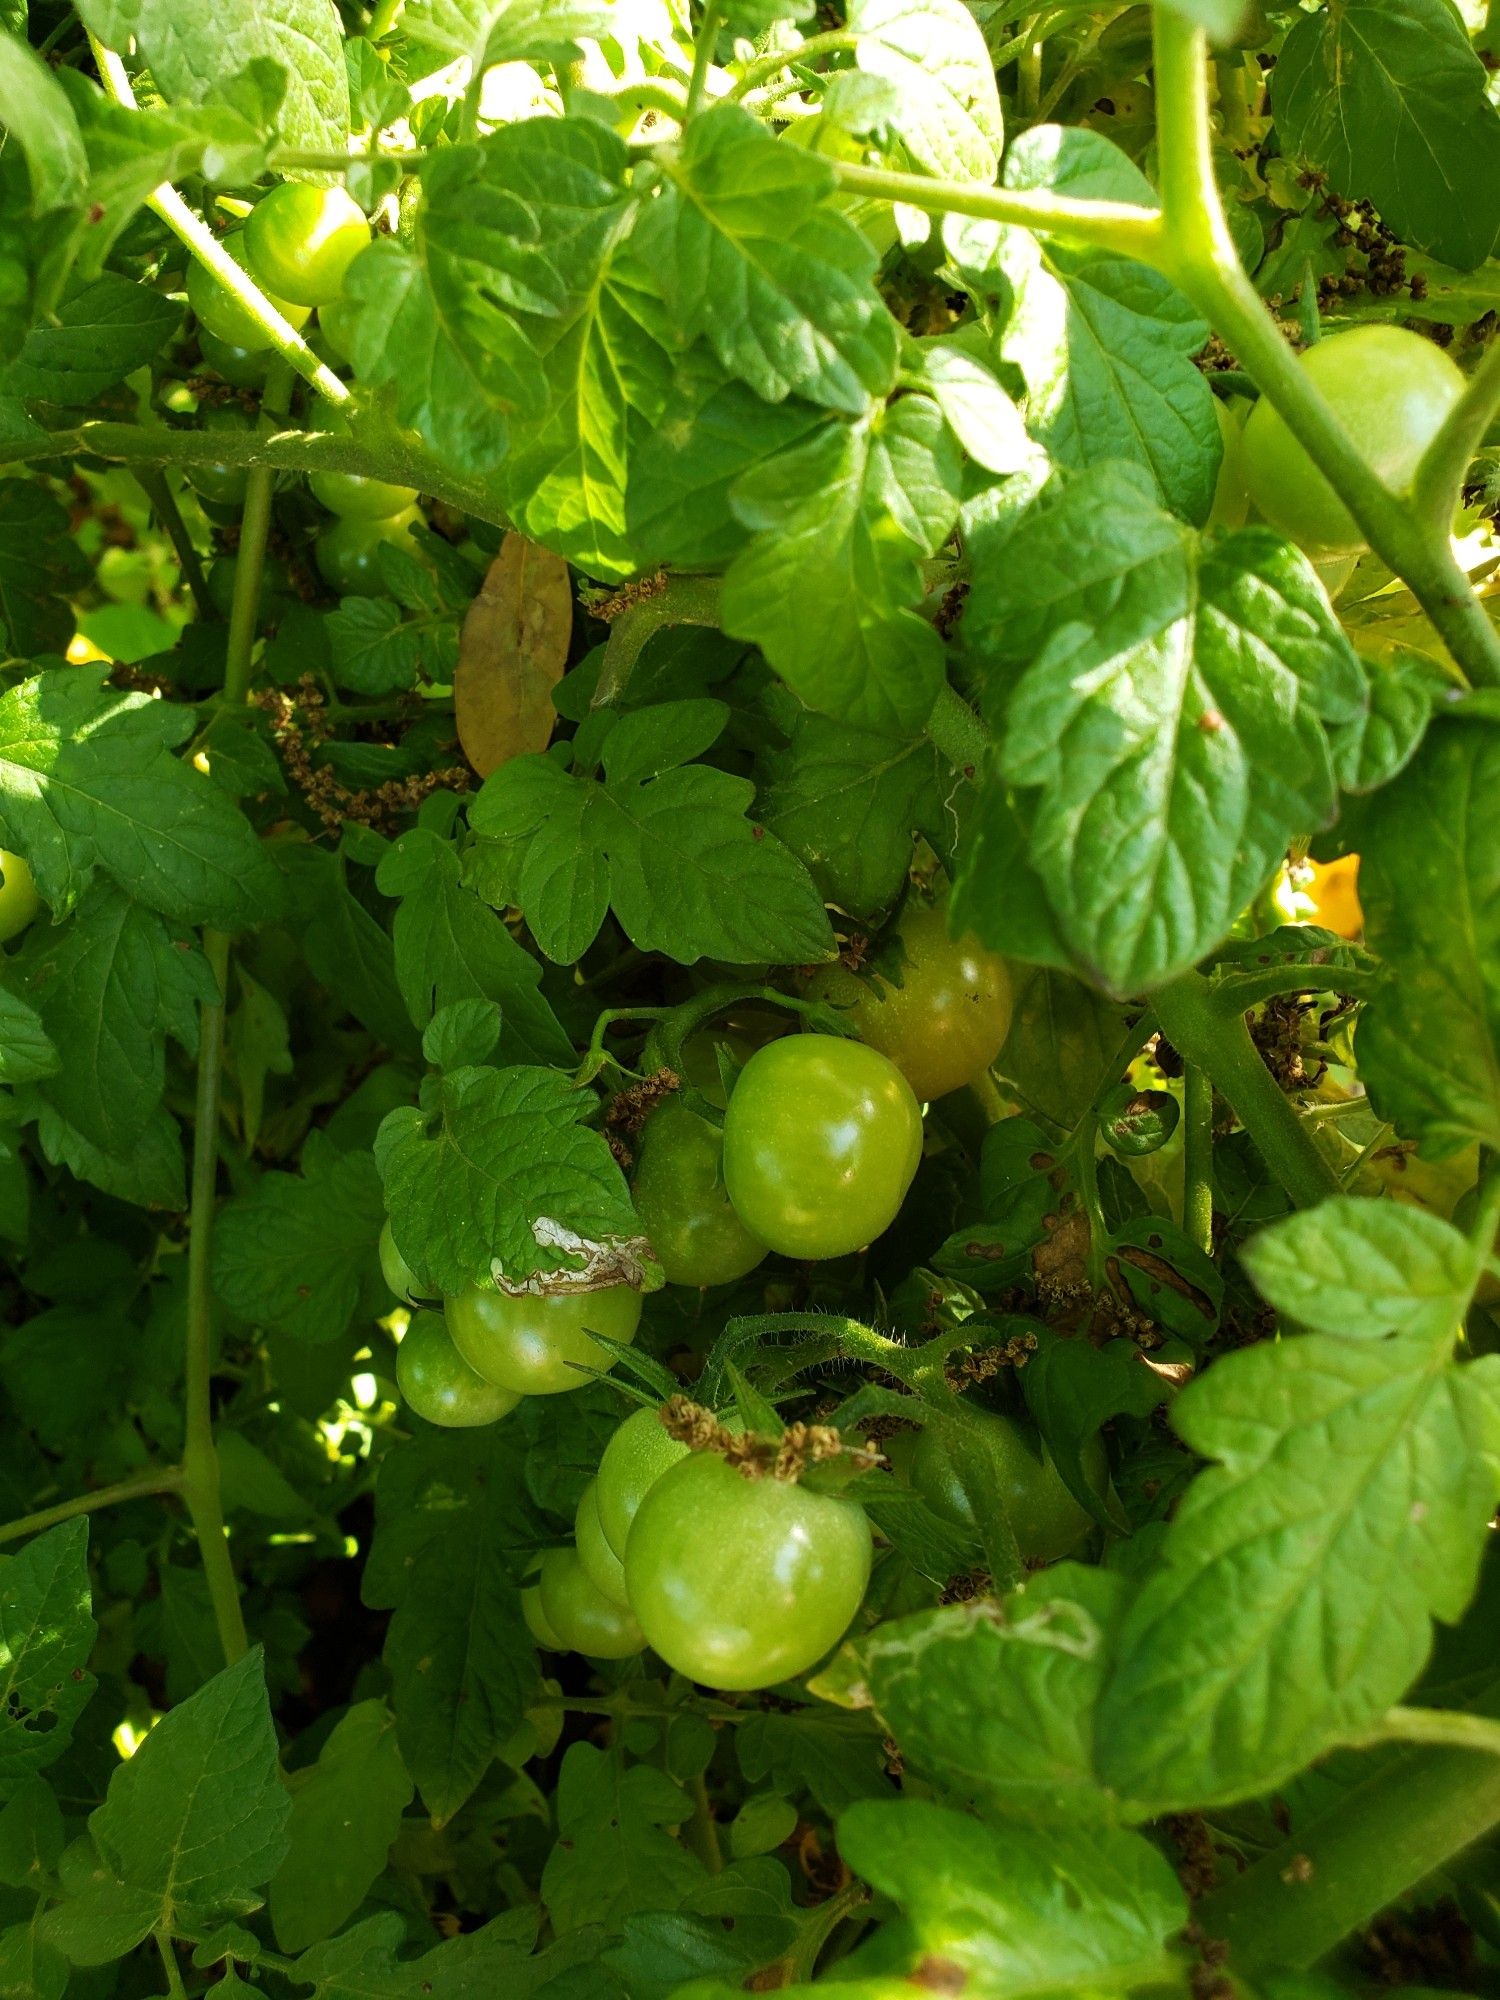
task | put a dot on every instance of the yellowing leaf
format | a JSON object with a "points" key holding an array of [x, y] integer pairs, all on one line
{"points": [[512, 654]]}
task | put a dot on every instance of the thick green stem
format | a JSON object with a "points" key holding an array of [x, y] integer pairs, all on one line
{"points": [[818, 1926], [1215, 1039], [683, 600], [142, 1486], [1198, 1158], [1439, 483], [1196, 249], [255, 527], [383, 18], [1349, 1862], [703, 53], [1121, 226], [384, 456], [195, 234]]}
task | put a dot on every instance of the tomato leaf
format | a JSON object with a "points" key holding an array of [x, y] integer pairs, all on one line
{"points": [[1289, 1605], [614, 1856], [293, 1254], [346, 1811], [512, 654], [947, 107], [1363, 1269], [46, 1633]]}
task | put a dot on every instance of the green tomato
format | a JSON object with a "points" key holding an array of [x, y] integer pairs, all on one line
{"points": [[221, 485], [275, 584], [356, 499], [821, 1142], [221, 312], [680, 1198], [1390, 390], [578, 1612], [640, 1451], [241, 367], [536, 1618], [528, 1343], [348, 553], [19, 901], [740, 1583], [947, 1020], [302, 240], [601, 1565], [1231, 508], [1046, 1520], [398, 1274], [440, 1385]]}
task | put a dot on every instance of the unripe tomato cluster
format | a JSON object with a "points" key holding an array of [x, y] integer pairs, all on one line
{"points": [[298, 244]]}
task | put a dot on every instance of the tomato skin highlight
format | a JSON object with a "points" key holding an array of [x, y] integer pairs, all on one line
{"points": [[1046, 1520], [440, 1385], [601, 1565], [684, 1208], [221, 312], [19, 901], [946, 1022], [355, 499], [1391, 391], [526, 1343], [580, 1615], [740, 1583], [301, 240], [822, 1139], [640, 1451], [1231, 504]]}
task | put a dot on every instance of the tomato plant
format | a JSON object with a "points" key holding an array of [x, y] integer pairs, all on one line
{"points": [[821, 1140], [750, 801]]}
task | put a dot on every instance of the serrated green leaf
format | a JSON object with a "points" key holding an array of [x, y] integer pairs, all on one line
{"points": [[101, 333], [293, 1254], [39, 564], [1290, 1603], [613, 1855], [46, 1634], [666, 844], [1363, 1269], [497, 1165], [947, 107], [346, 1811], [828, 586]]}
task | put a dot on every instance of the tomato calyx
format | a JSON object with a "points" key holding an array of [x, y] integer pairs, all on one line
{"points": [[789, 1456]]}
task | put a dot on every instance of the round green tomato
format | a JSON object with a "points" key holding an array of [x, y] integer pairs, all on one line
{"points": [[947, 1020], [337, 321], [680, 1198], [1390, 390], [19, 901], [356, 499], [536, 1618], [440, 1385], [821, 1142], [302, 240], [1046, 1520], [601, 1565], [1231, 508], [398, 1274], [222, 485], [640, 1451], [221, 312], [528, 1343], [348, 553], [241, 367], [275, 584], [740, 1583], [582, 1617]]}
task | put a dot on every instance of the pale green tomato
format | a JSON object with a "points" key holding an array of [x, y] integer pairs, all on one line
{"points": [[302, 239], [601, 1565], [536, 1618], [19, 901], [636, 1456], [221, 312], [440, 1385], [529, 1343], [398, 1274], [582, 1617], [1231, 508], [681, 1200]]}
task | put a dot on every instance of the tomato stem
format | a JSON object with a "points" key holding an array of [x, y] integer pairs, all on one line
{"points": [[1213, 1036], [1121, 226], [703, 54], [1438, 486], [1198, 1157], [142, 1486], [766, 67]]}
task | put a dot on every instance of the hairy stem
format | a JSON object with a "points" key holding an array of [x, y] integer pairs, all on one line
{"points": [[1350, 1861], [1215, 1039], [192, 231], [762, 70], [1196, 249], [141, 1486]]}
